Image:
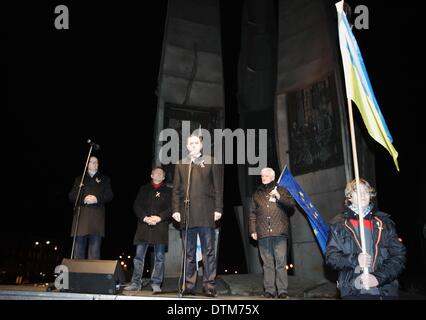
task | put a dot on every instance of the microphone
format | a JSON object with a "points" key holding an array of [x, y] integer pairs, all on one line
{"points": [[94, 145]]}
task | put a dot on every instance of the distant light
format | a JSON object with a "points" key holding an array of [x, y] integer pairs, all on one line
{"points": [[291, 265], [128, 257], [125, 266], [48, 242], [147, 270], [399, 239], [226, 270], [286, 267], [56, 248], [122, 263], [236, 271], [41, 273], [36, 243], [121, 257]]}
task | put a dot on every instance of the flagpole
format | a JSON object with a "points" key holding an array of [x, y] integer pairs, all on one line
{"points": [[282, 172], [355, 161]]}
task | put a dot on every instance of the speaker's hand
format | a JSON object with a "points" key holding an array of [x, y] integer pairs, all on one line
{"points": [[90, 199], [155, 220]]}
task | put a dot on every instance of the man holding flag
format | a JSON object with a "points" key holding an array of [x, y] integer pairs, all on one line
{"points": [[384, 255], [359, 90], [269, 225]]}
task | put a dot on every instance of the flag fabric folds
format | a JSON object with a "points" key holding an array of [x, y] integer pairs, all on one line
{"points": [[318, 225], [358, 86]]}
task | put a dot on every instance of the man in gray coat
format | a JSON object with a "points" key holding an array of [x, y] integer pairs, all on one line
{"points": [[205, 207], [95, 193]]}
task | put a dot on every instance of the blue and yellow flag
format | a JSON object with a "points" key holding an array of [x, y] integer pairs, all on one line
{"points": [[318, 225], [358, 86]]}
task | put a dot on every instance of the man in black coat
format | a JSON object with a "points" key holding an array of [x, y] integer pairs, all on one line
{"points": [[384, 256], [95, 193], [269, 225], [153, 210], [205, 207]]}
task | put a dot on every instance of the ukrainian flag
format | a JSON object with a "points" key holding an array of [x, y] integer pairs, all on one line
{"points": [[358, 86]]}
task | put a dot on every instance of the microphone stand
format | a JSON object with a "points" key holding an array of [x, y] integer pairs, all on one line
{"points": [[77, 203], [185, 244]]}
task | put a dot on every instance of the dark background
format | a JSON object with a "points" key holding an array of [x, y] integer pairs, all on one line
{"points": [[98, 80]]}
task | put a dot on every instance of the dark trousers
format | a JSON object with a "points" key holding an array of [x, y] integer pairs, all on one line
{"points": [[157, 274], [273, 251], [90, 242], [207, 238]]}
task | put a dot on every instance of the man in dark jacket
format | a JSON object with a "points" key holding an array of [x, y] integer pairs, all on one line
{"points": [[205, 207], [269, 224], [384, 256], [95, 193], [153, 210]]}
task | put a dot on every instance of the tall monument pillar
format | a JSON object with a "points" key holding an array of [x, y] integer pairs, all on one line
{"points": [[190, 87]]}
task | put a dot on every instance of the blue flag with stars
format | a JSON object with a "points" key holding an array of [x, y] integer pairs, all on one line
{"points": [[318, 225]]}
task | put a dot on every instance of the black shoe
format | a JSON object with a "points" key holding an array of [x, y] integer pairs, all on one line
{"points": [[283, 295], [211, 293], [268, 295], [188, 292]]}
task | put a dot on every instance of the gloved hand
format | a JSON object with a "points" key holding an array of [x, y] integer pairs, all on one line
{"points": [[368, 280], [176, 216], [217, 215], [274, 193], [364, 260]]}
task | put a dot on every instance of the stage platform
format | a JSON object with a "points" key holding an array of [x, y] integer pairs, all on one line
{"points": [[229, 287]]}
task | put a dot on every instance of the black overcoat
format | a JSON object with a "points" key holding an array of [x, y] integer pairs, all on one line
{"points": [[205, 192], [92, 216], [153, 202]]}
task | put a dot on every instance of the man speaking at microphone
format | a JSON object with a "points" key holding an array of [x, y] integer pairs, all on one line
{"points": [[203, 179], [95, 193]]}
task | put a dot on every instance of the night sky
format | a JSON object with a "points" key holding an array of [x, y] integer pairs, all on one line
{"points": [[98, 80]]}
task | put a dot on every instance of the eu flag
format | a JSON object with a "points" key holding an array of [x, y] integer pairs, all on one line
{"points": [[318, 225]]}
